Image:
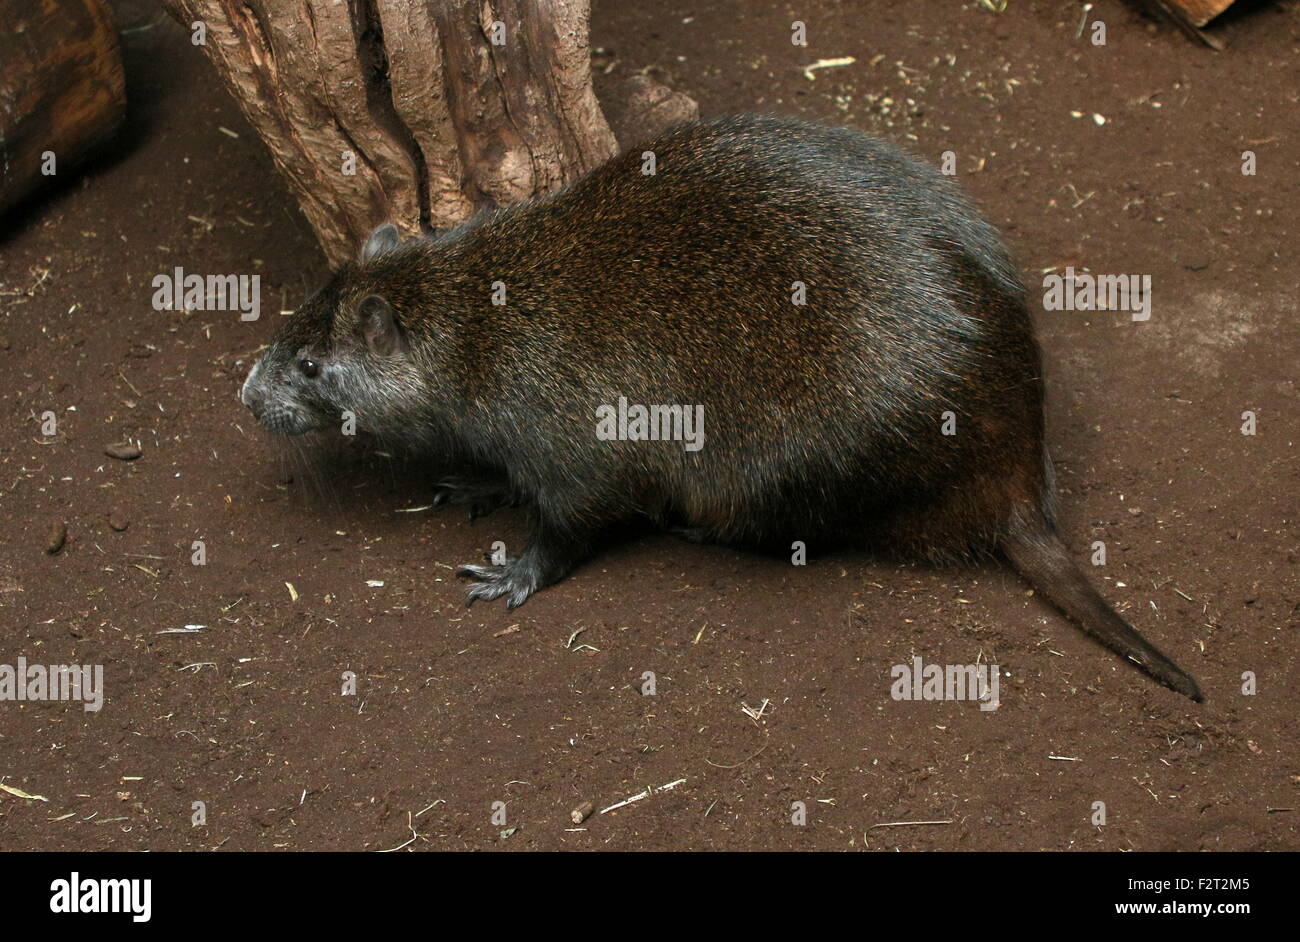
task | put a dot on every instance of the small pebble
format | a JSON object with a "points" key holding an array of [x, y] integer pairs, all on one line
{"points": [[58, 536], [124, 451], [118, 521]]}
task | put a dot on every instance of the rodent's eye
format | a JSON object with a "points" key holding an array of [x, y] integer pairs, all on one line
{"points": [[308, 367]]}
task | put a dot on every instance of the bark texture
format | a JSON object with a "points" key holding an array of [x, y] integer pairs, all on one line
{"points": [[410, 111], [61, 88]]}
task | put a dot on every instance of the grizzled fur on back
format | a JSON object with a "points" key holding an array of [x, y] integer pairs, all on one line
{"points": [[676, 288]]}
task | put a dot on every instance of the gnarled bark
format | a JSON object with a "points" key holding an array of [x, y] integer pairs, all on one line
{"points": [[413, 111]]}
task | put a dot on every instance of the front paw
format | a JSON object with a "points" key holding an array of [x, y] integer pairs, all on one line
{"points": [[515, 581], [481, 498], [691, 534]]}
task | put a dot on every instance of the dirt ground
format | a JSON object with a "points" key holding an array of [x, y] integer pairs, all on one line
{"points": [[773, 682]]}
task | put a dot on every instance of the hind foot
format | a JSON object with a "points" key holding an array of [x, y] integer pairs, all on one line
{"points": [[480, 497], [516, 580]]}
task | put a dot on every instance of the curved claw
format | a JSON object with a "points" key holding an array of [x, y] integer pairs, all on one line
{"points": [[513, 580]]}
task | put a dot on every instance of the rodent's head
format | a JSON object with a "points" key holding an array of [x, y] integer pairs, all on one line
{"points": [[343, 351]]}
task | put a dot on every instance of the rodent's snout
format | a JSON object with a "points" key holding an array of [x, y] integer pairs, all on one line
{"points": [[276, 415]]}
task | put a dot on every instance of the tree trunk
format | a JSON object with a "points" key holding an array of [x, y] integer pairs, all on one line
{"points": [[409, 111], [61, 89]]}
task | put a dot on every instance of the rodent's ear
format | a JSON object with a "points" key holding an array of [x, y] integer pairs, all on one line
{"points": [[381, 241], [377, 322]]}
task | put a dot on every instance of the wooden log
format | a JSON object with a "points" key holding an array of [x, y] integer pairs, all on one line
{"points": [[1198, 12], [409, 111], [1190, 15], [62, 91]]}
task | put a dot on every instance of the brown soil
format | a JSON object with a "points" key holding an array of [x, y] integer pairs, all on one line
{"points": [[459, 709]]}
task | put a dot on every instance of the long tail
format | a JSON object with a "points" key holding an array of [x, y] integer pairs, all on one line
{"points": [[1038, 554]]}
